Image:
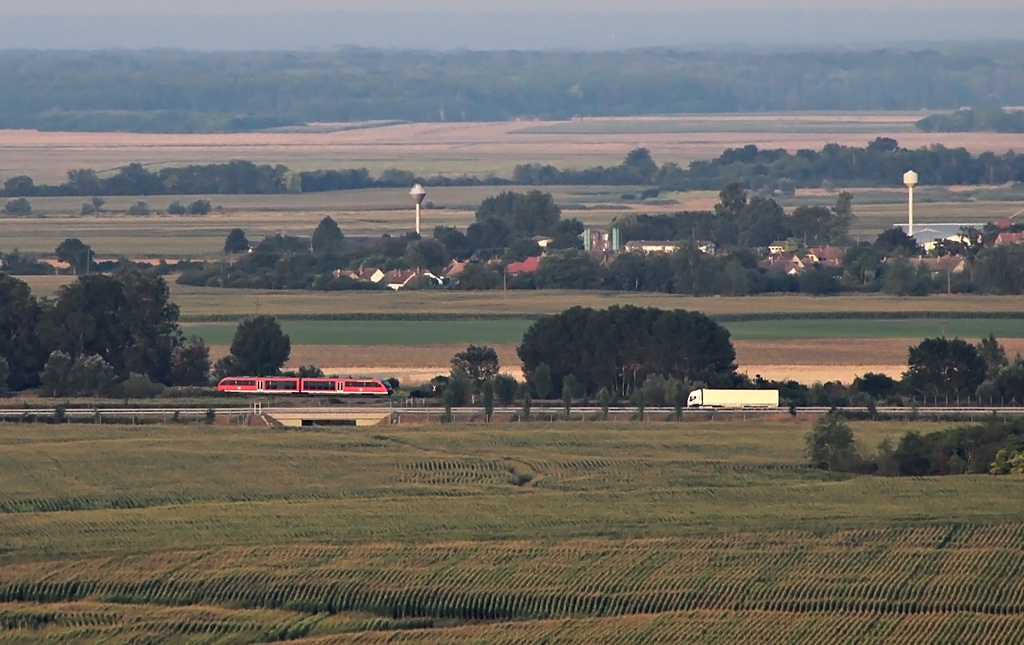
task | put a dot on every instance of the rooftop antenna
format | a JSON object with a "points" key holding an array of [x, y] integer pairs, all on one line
{"points": [[418, 193]]}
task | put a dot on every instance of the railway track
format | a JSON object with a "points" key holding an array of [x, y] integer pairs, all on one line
{"points": [[537, 412]]}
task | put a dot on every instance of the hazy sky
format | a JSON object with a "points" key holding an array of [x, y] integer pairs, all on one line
{"points": [[582, 6], [241, 25]]}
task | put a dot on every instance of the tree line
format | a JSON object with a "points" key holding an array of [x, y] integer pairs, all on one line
{"points": [[881, 162], [179, 91]]}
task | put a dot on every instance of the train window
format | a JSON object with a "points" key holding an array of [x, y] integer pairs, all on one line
{"points": [[280, 385], [318, 386], [245, 383]]}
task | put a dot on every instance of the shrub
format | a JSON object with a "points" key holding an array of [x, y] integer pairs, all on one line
{"points": [[139, 208], [138, 386], [199, 207], [176, 208], [18, 206], [88, 208]]}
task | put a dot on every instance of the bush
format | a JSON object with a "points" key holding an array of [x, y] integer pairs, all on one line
{"points": [[139, 208], [176, 208], [18, 206], [88, 208], [85, 376], [138, 386], [199, 207]]}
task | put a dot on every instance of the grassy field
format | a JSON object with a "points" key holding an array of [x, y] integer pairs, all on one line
{"points": [[703, 532]]}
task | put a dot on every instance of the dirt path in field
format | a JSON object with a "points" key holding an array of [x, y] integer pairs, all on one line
{"points": [[806, 361]]}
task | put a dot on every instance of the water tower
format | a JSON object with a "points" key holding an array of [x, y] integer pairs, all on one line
{"points": [[910, 180], [418, 193]]}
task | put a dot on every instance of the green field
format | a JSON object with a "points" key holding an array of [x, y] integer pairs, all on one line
{"points": [[702, 532], [379, 332], [430, 332]]}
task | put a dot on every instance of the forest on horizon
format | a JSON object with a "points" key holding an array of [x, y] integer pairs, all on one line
{"points": [[185, 91]]}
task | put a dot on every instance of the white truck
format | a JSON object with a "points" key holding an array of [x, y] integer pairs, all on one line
{"points": [[705, 398]]}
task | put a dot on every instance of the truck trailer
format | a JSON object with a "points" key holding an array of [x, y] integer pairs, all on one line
{"points": [[705, 398]]}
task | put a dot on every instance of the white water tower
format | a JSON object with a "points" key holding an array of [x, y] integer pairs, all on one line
{"points": [[418, 193], [909, 180]]}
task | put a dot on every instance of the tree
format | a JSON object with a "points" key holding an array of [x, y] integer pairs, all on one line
{"points": [[522, 248], [83, 181], [505, 388], [5, 373], [259, 348], [944, 367], [190, 363], [127, 319], [200, 207], [139, 208], [327, 236], [525, 215], [20, 346], [176, 208], [427, 254], [18, 206], [75, 253], [477, 363], [618, 347], [639, 161], [488, 396], [604, 399], [542, 380], [569, 385], [87, 375], [87, 209], [895, 240], [993, 353], [830, 443], [236, 242]]}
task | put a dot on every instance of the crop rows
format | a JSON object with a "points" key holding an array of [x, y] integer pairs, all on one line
{"points": [[199, 625], [898, 571]]}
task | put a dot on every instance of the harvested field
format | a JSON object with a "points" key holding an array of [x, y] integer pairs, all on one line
{"points": [[477, 148]]}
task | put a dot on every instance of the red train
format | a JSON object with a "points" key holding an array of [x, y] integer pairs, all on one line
{"points": [[293, 385]]}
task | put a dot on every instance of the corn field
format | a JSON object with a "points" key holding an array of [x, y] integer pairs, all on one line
{"points": [[558, 533]]}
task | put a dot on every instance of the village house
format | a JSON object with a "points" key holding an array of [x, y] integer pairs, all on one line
{"points": [[826, 256], [787, 263], [529, 265]]}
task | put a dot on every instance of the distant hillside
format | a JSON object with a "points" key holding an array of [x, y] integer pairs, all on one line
{"points": [[178, 91], [969, 120]]}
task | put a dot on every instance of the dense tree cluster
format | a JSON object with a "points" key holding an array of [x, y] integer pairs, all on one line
{"points": [[996, 447], [617, 348], [181, 91], [104, 327]]}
